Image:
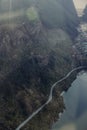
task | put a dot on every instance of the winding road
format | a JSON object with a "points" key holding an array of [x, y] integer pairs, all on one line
{"points": [[49, 98]]}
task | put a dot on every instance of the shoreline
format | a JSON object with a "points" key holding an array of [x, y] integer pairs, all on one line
{"points": [[49, 98]]}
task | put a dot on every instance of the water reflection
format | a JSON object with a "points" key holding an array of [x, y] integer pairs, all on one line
{"points": [[75, 115]]}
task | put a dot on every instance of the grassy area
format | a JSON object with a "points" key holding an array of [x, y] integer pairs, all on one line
{"points": [[32, 14]]}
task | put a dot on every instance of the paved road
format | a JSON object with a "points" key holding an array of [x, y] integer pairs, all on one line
{"points": [[49, 98]]}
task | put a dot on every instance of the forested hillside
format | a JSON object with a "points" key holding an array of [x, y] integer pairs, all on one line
{"points": [[35, 51]]}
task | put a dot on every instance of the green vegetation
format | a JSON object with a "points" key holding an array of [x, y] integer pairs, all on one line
{"points": [[32, 58], [32, 14], [37, 66]]}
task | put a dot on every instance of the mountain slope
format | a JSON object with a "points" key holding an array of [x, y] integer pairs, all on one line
{"points": [[35, 51]]}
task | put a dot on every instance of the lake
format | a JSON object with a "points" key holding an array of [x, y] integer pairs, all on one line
{"points": [[75, 99]]}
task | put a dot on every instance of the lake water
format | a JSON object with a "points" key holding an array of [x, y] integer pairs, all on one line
{"points": [[75, 114]]}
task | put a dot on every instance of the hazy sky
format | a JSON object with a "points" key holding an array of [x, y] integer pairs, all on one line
{"points": [[80, 3]]}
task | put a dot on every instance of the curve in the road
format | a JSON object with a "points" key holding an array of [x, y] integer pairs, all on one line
{"points": [[49, 99]]}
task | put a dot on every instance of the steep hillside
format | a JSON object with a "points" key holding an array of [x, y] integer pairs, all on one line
{"points": [[35, 51], [84, 17], [53, 14], [71, 18]]}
